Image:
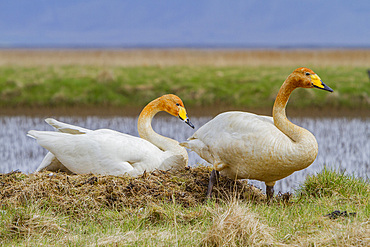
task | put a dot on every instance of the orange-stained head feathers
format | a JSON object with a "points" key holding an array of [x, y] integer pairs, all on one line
{"points": [[304, 77], [169, 103], [304, 70]]}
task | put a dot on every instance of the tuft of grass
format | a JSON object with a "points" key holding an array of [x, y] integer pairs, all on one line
{"points": [[329, 183], [22, 223], [236, 225]]}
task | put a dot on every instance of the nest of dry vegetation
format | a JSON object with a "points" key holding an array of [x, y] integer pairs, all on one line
{"points": [[88, 193]]}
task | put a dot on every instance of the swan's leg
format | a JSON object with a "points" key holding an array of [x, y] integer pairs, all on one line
{"points": [[212, 180], [269, 192]]}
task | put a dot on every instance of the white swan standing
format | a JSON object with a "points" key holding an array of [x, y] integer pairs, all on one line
{"points": [[109, 152], [243, 145]]}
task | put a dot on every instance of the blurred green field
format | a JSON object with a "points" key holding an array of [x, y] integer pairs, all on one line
{"points": [[238, 86]]}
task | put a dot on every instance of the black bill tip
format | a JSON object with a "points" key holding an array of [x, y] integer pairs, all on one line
{"points": [[325, 87], [187, 121]]}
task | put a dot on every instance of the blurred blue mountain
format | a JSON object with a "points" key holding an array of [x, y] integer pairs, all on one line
{"points": [[191, 23]]}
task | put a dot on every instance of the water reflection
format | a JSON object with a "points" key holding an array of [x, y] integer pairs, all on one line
{"points": [[343, 143]]}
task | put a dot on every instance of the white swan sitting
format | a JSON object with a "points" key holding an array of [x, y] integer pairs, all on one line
{"points": [[109, 152], [50, 162], [243, 145]]}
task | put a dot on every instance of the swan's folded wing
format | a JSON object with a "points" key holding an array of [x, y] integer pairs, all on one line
{"points": [[66, 128], [101, 152], [139, 153], [228, 134]]}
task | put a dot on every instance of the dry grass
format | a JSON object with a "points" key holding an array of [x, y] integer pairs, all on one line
{"points": [[78, 195], [40, 203], [131, 237], [186, 57], [24, 224], [337, 233], [168, 209], [237, 225]]}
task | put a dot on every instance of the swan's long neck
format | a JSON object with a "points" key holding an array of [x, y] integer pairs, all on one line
{"points": [[146, 131], [303, 148], [293, 131]]}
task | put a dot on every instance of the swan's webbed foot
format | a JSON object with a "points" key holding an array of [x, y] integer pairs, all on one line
{"points": [[269, 192], [212, 180]]}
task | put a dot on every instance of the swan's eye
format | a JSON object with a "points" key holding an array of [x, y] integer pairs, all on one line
{"points": [[177, 104], [307, 73]]}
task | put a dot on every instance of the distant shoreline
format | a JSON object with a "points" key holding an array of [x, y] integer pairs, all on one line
{"points": [[186, 57], [120, 82], [185, 46], [204, 111]]}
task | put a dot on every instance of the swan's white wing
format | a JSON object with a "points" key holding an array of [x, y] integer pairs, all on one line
{"points": [[66, 128], [101, 152], [228, 131]]}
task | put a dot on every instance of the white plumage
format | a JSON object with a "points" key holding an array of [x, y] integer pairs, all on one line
{"points": [[245, 145], [105, 151]]}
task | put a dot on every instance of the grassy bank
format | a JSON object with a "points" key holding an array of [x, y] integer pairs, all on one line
{"points": [[237, 86], [168, 209]]}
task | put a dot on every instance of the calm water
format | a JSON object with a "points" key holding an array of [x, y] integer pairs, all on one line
{"points": [[343, 143]]}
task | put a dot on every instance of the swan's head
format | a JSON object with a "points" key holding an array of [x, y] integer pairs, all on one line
{"points": [[306, 78], [174, 106]]}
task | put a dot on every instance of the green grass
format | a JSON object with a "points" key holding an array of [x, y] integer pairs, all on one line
{"points": [[300, 222], [253, 87]]}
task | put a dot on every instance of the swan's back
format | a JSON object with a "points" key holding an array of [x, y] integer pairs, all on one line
{"points": [[242, 122], [229, 127]]}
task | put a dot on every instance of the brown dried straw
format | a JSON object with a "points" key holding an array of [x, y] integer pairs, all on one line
{"points": [[88, 193]]}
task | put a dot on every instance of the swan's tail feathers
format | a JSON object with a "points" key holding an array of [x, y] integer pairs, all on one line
{"points": [[50, 140], [200, 148], [188, 143], [36, 134], [44, 135], [31, 134], [66, 128]]}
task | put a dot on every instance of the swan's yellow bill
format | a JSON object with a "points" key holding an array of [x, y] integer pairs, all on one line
{"points": [[317, 82], [182, 113], [184, 116]]}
